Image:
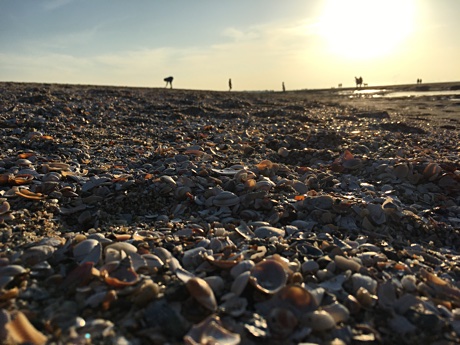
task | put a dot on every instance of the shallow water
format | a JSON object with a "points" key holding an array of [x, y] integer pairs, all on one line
{"points": [[376, 93]]}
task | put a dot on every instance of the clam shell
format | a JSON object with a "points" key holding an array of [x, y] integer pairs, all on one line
{"points": [[269, 231], [202, 292], [226, 198], [268, 276]]}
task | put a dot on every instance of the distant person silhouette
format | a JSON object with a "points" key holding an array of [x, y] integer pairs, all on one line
{"points": [[359, 81], [169, 81], [284, 88], [230, 84]]}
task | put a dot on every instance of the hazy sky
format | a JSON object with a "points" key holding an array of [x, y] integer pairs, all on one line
{"points": [[257, 43]]}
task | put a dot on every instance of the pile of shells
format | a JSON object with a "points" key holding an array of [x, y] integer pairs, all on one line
{"points": [[132, 216]]}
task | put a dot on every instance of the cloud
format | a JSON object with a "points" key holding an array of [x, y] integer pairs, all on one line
{"points": [[51, 5], [240, 35]]}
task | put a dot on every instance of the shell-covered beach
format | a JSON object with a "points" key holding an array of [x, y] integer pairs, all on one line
{"points": [[154, 216]]}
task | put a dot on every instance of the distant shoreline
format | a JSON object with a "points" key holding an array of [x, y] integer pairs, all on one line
{"points": [[438, 86]]}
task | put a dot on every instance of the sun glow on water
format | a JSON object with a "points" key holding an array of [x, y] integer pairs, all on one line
{"points": [[365, 29]]}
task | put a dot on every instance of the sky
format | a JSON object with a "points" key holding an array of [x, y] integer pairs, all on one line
{"points": [[259, 44]]}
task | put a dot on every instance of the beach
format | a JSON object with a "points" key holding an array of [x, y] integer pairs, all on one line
{"points": [[150, 215]]}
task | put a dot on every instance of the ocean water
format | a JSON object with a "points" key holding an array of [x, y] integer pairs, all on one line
{"points": [[385, 93]]}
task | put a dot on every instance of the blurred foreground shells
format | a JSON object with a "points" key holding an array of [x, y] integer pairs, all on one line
{"points": [[135, 216]]}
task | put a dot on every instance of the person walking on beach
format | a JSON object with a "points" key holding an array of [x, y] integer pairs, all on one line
{"points": [[284, 88], [230, 84], [169, 81]]}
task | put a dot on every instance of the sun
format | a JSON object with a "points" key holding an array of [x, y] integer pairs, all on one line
{"points": [[364, 29]]}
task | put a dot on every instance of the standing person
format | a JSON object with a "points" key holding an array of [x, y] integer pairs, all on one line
{"points": [[284, 88], [230, 84]]}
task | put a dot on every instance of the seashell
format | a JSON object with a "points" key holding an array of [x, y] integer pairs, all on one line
{"points": [[401, 171], [265, 184], [80, 276], [310, 267], [216, 283], [211, 331], [152, 261], [12, 270], [432, 171], [37, 254], [120, 247], [318, 321], [202, 292], [365, 298], [335, 283], [281, 322], [89, 250], [400, 325], [244, 231], [346, 264], [240, 267], [147, 291], [269, 231], [22, 331], [358, 280], [4, 208], [265, 164], [283, 152], [234, 305], [181, 193], [192, 258], [226, 198], [338, 311], [120, 275], [268, 276], [409, 283], [297, 299], [27, 194], [240, 283], [376, 214]]}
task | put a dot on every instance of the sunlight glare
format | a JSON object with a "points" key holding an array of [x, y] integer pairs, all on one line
{"points": [[364, 29]]}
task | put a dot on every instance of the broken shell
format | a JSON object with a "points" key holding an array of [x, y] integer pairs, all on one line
{"points": [[25, 193], [202, 292], [211, 331], [22, 331], [268, 276], [88, 250], [120, 275]]}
